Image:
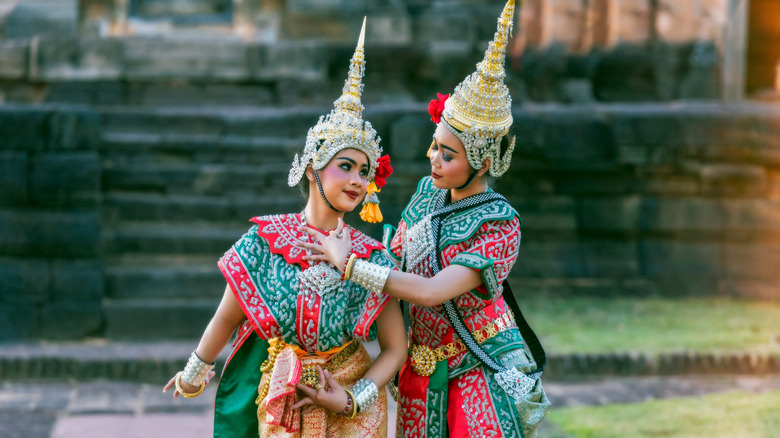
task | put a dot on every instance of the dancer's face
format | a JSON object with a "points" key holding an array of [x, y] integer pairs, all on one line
{"points": [[344, 180], [450, 167]]}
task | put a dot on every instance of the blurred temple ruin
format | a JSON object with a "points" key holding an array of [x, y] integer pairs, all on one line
{"points": [[137, 137], [257, 52]]}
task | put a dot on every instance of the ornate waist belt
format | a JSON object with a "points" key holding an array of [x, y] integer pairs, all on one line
{"points": [[328, 360], [424, 358]]}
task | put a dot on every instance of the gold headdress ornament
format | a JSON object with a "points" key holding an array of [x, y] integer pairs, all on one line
{"points": [[343, 128], [479, 112]]}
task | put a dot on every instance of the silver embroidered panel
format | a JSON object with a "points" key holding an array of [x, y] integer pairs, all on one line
{"points": [[320, 278], [419, 243]]}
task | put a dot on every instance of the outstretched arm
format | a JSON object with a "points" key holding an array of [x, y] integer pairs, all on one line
{"points": [[225, 320], [452, 281]]}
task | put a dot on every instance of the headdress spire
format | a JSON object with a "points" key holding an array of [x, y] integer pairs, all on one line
{"points": [[479, 112], [344, 128]]}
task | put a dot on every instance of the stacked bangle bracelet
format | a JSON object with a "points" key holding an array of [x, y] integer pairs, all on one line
{"points": [[349, 266], [369, 275], [351, 408], [365, 392], [194, 373]]}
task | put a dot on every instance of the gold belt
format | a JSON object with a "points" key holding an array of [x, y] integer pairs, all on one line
{"points": [[309, 375], [424, 358]]}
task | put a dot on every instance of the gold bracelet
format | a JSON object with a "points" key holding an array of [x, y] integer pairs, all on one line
{"points": [[354, 403], [177, 381], [350, 265]]}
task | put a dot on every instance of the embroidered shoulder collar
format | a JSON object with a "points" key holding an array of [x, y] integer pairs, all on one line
{"points": [[426, 200], [281, 232]]}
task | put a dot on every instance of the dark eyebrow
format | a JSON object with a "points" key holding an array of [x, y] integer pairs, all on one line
{"points": [[354, 163], [445, 147]]}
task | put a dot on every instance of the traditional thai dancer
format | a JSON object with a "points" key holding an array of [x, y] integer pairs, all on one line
{"points": [[298, 368], [468, 373]]}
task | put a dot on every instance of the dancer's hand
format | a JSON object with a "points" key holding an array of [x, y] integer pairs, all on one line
{"points": [[333, 247], [186, 386], [329, 394]]}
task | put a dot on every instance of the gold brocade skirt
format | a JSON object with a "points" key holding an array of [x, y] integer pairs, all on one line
{"points": [[346, 369]]}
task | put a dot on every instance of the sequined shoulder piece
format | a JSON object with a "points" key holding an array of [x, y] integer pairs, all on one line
{"points": [[461, 226]]}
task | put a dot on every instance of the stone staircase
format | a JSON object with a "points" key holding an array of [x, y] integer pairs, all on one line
{"points": [[178, 189]]}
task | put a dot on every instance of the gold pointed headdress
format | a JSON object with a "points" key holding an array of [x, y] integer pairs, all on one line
{"points": [[479, 112], [343, 128]]}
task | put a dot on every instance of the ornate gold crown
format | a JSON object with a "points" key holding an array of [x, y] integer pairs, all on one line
{"points": [[343, 128], [479, 112]]}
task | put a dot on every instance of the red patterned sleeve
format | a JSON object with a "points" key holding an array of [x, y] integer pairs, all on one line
{"points": [[492, 250]]}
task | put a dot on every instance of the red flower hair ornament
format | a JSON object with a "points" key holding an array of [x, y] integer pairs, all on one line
{"points": [[436, 107], [383, 170]]}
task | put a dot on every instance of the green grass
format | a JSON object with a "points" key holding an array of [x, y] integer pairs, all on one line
{"points": [[733, 414], [592, 325]]}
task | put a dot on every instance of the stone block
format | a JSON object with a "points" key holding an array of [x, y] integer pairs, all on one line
{"points": [[389, 27], [627, 73], [67, 59], [610, 214], [204, 60], [310, 25], [77, 280], [93, 92], [290, 60], [13, 177], [67, 234], [445, 63], [23, 280], [685, 215], [194, 95], [410, 138], [755, 217], [548, 259], [545, 214], [65, 179], [610, 258], [13, 60], [758, 260], [22, 127], [575, 137], [682, 259], [18, 322], [731, 180], [591, 179], [127, 319], [71, 320], [325, 7], [666, 182], [17, 233], [445, 23], [646, 128], [73, 127], [42, 18]]}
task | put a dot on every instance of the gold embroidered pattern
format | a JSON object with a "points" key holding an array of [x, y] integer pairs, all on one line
{"points": [[424, 358]]}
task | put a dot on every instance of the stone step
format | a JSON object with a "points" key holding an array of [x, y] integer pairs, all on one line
{"points": [[165, 276], [123, 148], [171, 238], [251, 122], [232, 210], [151, 319], [232, 179]]}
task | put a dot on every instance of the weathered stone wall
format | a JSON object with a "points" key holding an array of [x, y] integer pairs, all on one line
{"points": [[51, 283], [114, 217], [296, 51]]}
